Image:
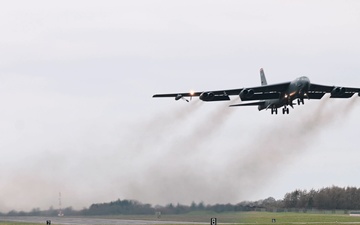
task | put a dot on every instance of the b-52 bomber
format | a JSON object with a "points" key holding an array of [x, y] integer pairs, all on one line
{"points": [[271, 96]]}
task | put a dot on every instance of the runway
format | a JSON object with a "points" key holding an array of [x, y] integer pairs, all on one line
{"points": [[83, 221]]}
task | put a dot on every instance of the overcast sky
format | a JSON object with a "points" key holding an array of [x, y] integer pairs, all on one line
{"points": [[77, 114]]}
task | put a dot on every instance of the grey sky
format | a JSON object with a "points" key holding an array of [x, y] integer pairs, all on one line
{"points": [[76, 80]]}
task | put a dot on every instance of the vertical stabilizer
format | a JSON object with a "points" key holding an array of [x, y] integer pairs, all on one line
{"points": [[262, 77]]}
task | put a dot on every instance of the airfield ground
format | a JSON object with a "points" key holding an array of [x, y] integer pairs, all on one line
{"points": [[257, 218]]}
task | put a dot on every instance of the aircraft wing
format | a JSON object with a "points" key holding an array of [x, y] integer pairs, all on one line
{"points": [[280, 87], [318, 90], [197, 94], [272, 91], [220, 95]]}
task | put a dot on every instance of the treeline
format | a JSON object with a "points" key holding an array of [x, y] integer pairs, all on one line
{"points": [[330, 198], [326, 198], [130, 207], [124, 207]]}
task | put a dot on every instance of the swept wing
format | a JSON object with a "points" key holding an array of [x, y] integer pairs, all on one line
{"points": [[272, 91], [316, 91]]}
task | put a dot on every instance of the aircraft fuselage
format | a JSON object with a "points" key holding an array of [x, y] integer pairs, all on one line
{"points": [[297, 89]]}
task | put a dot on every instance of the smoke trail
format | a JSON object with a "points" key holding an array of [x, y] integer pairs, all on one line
{"points": [[97, 173], [183, 170], [154, 131], [170, 165], [178, 163], [278, 146], [164, 120], [202, 131], [183, 173], [160, 163]]}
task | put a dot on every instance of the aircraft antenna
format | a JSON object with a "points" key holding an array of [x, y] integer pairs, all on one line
{"points": [[60, 210]]}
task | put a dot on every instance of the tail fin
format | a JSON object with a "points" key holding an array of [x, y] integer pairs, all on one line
{"points": [[262, 77]]}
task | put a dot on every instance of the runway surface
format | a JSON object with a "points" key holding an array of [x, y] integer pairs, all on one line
{"points": [[89, 221]]}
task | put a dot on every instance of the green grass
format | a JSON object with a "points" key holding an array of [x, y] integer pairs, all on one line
{"points": [[19, 223], [258, 218], [252, 217]]}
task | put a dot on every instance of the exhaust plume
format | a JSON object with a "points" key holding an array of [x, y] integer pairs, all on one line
{"points": [[278, 146], [176, 174], [186, 171]]}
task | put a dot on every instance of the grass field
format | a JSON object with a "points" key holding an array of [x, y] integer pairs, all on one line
{"points": [[254, 217], [19, 223], [257, 218]]}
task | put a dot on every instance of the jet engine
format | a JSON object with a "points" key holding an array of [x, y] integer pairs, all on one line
{"points": [[246, 94], [210, 96], [207, 96], [337, 92]]}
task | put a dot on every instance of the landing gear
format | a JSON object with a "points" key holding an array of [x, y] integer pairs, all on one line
{"points": [[300, 101], [285, 110], [273, 110]]}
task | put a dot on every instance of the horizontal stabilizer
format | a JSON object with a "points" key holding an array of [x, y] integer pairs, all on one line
{"points": [[249, 104]]}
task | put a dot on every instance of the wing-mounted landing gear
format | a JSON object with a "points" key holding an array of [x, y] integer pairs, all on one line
{"points": [[300, 101], [273, 110], [285, 110], [178, 97], [186, 100]]}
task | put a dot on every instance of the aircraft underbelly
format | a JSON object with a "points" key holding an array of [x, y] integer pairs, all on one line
{"points": [[297, 89]]}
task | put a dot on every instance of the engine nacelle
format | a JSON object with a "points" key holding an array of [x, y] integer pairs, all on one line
{"points": [[210, 96], [207, 96], [338, 91], [246, 94]]}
